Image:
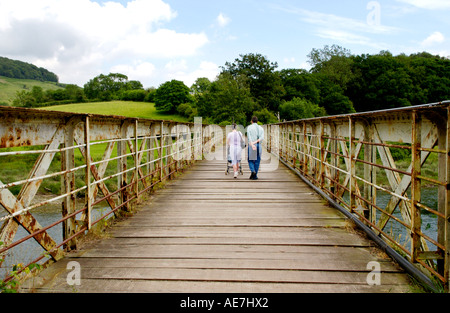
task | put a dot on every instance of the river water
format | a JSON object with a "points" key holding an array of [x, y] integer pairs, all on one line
{"points": [[30, 250], [429, 221]]}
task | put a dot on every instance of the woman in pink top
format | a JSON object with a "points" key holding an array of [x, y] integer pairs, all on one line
{"points": [[234, 140]]}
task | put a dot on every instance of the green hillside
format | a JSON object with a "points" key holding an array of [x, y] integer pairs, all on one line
{"points": [[121, 108], [10, 86]]}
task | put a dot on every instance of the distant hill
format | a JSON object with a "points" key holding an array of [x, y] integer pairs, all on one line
{"points": [[22, 70], [10, 86]]}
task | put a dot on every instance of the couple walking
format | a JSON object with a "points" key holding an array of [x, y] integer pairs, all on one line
{"points": [[255, 135]]}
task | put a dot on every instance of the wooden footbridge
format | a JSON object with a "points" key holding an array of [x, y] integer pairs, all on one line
{"points": [[313, 222]]}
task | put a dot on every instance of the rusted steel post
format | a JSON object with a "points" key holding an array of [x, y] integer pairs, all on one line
{"points": [[282, 141], [333, 160], [136, 160], [305, 150], [122, 165], [444, 196], [369, 170], [292, 145], [322, 154], [373, 170], [68, 163], [151, 153], [297, 157], [88, 200], [161, 151], [169, 151], [352, 162], [446, 199], [312, 151], [416, 138]]}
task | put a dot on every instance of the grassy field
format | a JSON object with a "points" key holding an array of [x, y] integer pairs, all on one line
{"points": [[121, 108], [10, 86]]}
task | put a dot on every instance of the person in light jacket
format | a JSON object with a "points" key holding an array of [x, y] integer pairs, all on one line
{"points": [[255, 135]]}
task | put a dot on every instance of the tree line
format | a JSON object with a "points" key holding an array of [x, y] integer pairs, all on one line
{"points": [[21, 70], [337, 83], [114, 86]]}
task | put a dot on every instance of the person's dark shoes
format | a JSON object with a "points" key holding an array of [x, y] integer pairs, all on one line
{"points": [[252, 176]]}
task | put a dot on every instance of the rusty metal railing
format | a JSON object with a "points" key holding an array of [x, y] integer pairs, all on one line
{"points": [[390, 169], [80, 162]]}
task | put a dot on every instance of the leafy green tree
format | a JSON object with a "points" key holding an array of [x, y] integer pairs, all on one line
{"points": [[38, 94], [332, 97], [227, 99], [265, 83], [75, 93], [265, 116], [150, 94], [170, 95], [334, 62], [318, 57], [105, 87], [200, 85], [298, 83], [187, 110], [431, 77], [137, 95], [24, 99], [133, 85], [299, 108], [380, 82]]}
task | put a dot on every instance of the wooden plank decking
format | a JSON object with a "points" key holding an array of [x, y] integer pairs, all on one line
{"points": [[209, 233]]}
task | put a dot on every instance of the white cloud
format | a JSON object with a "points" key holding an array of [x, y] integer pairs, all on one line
{"points": [[335, 22], [429, 4], [179, 70], [163, 43], [349, 38], [434, 38], [290, 60], [141, 71], [176, 66], [343, 29], [79, 38], [223, 20]]}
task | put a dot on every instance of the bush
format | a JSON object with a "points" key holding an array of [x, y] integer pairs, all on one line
{"points": [[225, 123], [186, 109], [170, 95], [300, 109], [138, 95], [150, 96], [266, 117]]}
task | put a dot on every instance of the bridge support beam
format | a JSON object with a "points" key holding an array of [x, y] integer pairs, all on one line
{"points": [[404, 151], [62, 144]]}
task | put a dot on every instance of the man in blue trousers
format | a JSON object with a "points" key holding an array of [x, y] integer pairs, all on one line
{"points": [[255, 135]]}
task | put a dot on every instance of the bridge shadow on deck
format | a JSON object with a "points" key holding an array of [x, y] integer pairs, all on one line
{"points": [[210, 233]]}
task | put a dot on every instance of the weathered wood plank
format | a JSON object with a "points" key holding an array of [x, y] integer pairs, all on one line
{"points": [[208, 232], [299, 263], [244, 275], [149, 286], [224, 252], [303, 240], [260, 222]]}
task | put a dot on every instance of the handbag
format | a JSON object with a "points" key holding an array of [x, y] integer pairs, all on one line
{"points": [[243, 145]]}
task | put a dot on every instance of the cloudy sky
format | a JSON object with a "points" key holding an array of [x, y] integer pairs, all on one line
{"points": [[154, 41]]}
